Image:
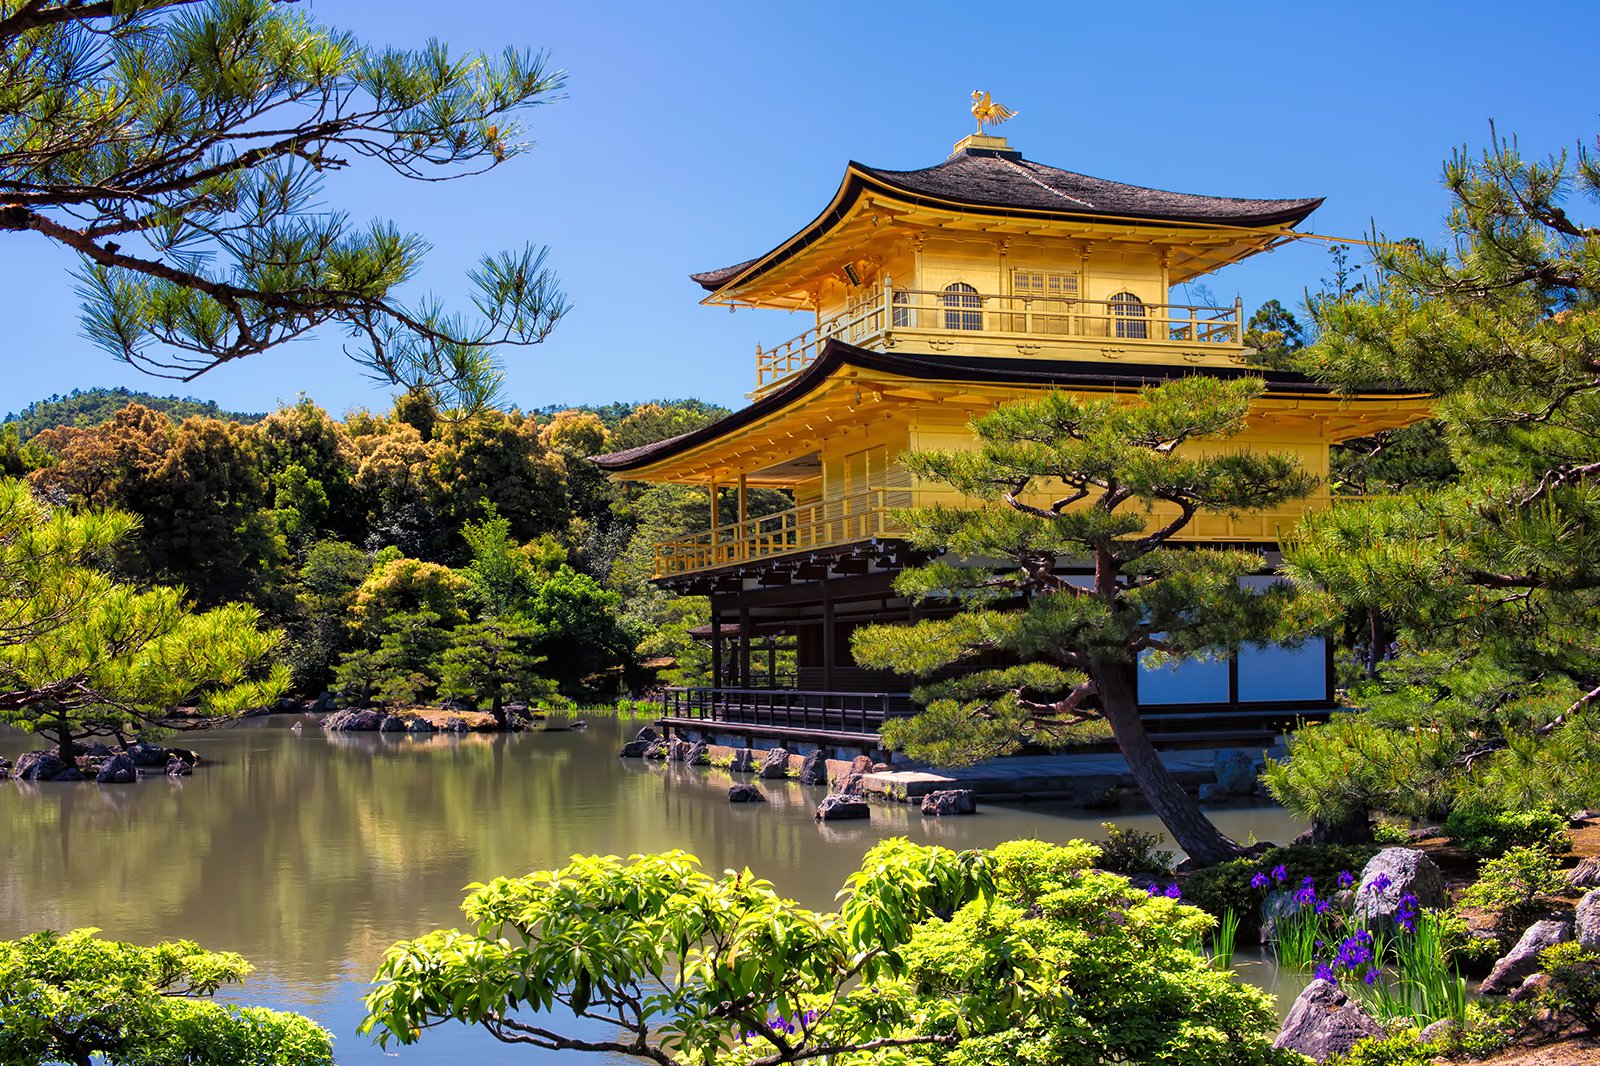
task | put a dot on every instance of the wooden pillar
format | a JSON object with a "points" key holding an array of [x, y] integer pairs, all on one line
{"points": [[744, 647], [829, 636], [744, 502], [716, 645]]}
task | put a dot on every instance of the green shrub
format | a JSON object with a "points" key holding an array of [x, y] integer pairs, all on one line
{"points": [[1489, 834], [1473, 954], [1130, 851], [1385, 832], [1401, 1050], [1510, 885], [1217, 888], [1574, 989]]}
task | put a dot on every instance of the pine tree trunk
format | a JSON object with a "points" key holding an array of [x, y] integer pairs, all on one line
{"points": [[64, 738], [1374, 641], [1191, 830]]}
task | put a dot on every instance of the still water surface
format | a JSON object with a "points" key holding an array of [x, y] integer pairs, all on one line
{"points": [[310, 854]]}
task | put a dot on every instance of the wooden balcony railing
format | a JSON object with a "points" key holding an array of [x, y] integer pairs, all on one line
{"points": [[789, 710], [941, 316], [824, 524]]}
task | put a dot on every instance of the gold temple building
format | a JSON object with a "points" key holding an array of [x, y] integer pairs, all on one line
{"points": [[935, 295]]}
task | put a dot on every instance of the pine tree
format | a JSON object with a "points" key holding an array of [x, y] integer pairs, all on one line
{"points": [[1493, 699], [84, 655], [488, 662], [1134, 477], [180, 150]]}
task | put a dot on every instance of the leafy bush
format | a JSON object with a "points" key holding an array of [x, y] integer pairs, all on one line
{"points": [[1574, 989], [1400, 1050], [1227, 885], [1130, 851], [1510, 885], [1489, 833], [1386, 832], [69, 997]]}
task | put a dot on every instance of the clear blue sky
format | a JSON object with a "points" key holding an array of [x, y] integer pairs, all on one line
{"points": [[696, 135]]}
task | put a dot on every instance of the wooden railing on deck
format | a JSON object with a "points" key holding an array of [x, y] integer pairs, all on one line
{"points": [[823, 524], [791, 709]]}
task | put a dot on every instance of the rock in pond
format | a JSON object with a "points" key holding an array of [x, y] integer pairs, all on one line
{"points": [[1325, 1022], [362, 721], [838, 808], [38, 766], [5, 768], [177, 767], [745, 793], [695, 754], [814, 768], [744, 761], [1215, 793], [71, 773], [455, 724], [658, 751], [635, 749], [148, 756], [419, 724], [392, 723], [1236, 771], [950, 801], [775, 764], [1389, 877], [117, 770], [1523, 960], [1587, 922]]}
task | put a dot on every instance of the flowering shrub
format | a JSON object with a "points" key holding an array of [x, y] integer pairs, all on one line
{"points": [[1233, 886]]}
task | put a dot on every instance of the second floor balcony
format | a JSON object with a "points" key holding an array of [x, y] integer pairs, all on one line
{"points": [[960, 318]]}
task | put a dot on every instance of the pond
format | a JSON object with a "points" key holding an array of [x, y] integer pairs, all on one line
{"points": [[310, 854]]}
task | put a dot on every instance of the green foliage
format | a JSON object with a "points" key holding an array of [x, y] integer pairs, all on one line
{"points": [[1386, 832], [1226, 886], [1489, 834], [1064, 479], [1399, 1050], [486, 662], [82, 654], [319, 632], [1483, 576], [1022, 955], [91, 407], [1574, 988], [1273, 336], [1131, 851], [69, 997], [214, 125], [576, 631], [1510, 885]]}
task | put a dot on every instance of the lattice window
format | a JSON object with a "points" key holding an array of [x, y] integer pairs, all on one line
{"points": [[1127, 311], [1043, 297], [963, 306]]}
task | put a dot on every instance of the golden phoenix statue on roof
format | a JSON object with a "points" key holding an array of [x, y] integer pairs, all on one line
{"points": [[987, 112]]}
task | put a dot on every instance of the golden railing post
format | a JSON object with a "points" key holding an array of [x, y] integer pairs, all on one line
{"points": [[1238, 320]]}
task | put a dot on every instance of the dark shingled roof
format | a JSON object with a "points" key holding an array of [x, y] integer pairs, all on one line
{"points": [[1004, 182], [1045, 373]]}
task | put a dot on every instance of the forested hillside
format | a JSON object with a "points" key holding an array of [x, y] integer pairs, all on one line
{"points": [[90, 407], [408, 555]]}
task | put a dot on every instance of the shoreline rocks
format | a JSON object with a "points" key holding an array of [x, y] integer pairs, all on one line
{"points": [[1522, 961], [1390, 876], [949, 802], [1325, 1022], [745, 793], [836, 808]]}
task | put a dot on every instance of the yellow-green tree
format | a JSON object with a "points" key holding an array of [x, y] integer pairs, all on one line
{"points": [[82, 654]]}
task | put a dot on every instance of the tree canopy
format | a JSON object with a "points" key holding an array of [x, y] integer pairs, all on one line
{"points": [[933, 958], [179, 147], [75, 998], [1490, 579], [1103, 484]]}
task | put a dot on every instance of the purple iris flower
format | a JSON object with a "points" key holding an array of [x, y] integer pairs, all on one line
{"points": [[1259, 881], [1325, 973], [1370, 978], [1152, 890], [1380, 884], [1322, 906], [1346, 879], [1280, 873], [1173, 892]]}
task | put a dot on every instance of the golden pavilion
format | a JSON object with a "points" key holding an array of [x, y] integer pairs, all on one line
{"points": [[935, 295]]}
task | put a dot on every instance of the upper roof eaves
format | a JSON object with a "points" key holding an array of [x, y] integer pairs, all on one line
{"points": [[986, 181]]}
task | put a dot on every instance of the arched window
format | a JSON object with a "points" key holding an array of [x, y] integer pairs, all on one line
{"points": [[902, 309], [962, 306], [1127, 311]]}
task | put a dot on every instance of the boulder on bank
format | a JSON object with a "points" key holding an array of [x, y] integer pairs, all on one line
{"points": [[949, 801], [635, 749], [419, 724], [852, 783], [744, 761], [775, 764], [392, 723], [695, 754], [71, 773], [1214, 793], [117, 770], [1586, 874], [455, 724], [836, 808], [1389, 877], [657, 751], [814, 768], [5, 768], [1587, 923], [1236, 772], [745, 793], [177, 767], [39, 766], [1522, 961], [1325, 1022]]}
